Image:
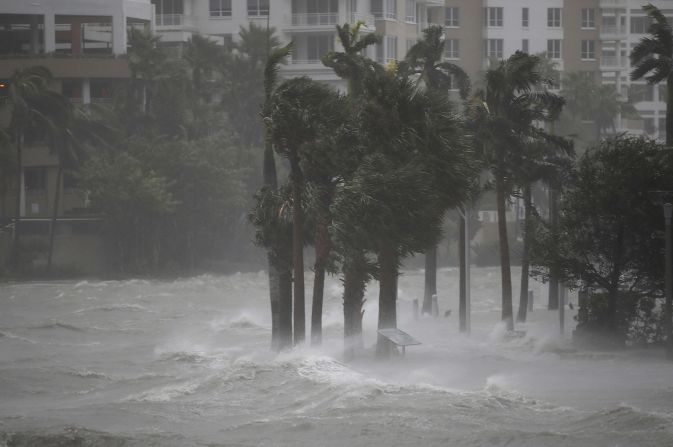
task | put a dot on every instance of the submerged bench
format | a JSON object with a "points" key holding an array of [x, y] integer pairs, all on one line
{"points": [[399, 338]]}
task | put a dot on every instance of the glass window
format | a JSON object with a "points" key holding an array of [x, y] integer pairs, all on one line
{"points": [[452, 17], [588, 49], [391, 48], [258, 8], [554, 17], [220, 8], [524, 17], [317, 46], [35, 179], [391, 9], [411, 11], [452, 48], [640, 25], [588, 18], [494, 48], [524, 45], [493, 16], [554, 48], [377, 8]]}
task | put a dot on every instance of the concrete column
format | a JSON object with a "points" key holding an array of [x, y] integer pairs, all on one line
{"points": [[22, 195], [86, 91], [119, 34], [34, 35], [49, 33]]}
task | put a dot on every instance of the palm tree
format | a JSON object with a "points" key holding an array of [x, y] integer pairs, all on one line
{"points": [[146, 61], [295, 117], [25, 86], [652, 59], [280, 274], [506, 113], [352, 65], [202, 54], [424, 61]]}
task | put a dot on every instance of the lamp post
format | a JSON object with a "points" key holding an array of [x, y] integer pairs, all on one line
{"points": [[665, 199]]}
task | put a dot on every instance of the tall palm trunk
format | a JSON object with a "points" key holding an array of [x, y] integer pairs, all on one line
{"points": [[16, 240], [54, 213], [669, 111], [525, 262], [387, 257], [462, 284], [505, 271], [553, 270], [430, 279], [271, 182], [322, 249], [283, 267], [298, 249], [354, 280]]}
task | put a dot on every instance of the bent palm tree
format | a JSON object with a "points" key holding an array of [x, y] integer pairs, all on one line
{"points": [[425, 61], [506, 115], [652, 59]]}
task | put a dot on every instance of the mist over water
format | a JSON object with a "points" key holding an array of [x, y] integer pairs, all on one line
{"points": [[187, 363]]}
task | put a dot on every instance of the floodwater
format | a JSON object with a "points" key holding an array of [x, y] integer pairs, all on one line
{"points": [[186, 363]]}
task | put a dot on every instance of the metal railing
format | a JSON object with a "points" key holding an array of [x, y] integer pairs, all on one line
{"points": [[315, 18], [613, 30], [172, 20]]}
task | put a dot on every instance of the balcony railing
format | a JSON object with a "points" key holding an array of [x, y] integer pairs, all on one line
{"points": [[613, 30], [613, 3], [612, 62], [172, 21], [315, 18]]}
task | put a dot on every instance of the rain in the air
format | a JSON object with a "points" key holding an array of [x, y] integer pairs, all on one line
{"points": [[338, 223]]}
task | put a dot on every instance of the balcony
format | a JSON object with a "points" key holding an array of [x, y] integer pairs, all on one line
{"points": [[613, 4], [613, 63], [315, 19], [166, 22], [327, 20], [609, 32]]}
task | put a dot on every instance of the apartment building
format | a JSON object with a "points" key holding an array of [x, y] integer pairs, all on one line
{"points": [[82, 43], [309, 23]]}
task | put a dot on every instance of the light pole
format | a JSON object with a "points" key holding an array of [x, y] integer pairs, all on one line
{"points": [[668, 210], [665, 199]]}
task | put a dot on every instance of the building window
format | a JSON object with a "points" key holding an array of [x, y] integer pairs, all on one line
{"points": [[258, 8], [640, 25], [452, 17], [411, 11], [554, 17], [494, 48], [384, 9], [493, 16], [588, 50], [588, 18], [317, 45], [524, 45], [386, 51], [554, 48], [452, 48], [524, 17], [220, 8]]}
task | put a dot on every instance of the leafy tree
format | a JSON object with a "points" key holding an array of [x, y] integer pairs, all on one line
{"points": [[652, 59], [606, 234], [505, 114]]}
